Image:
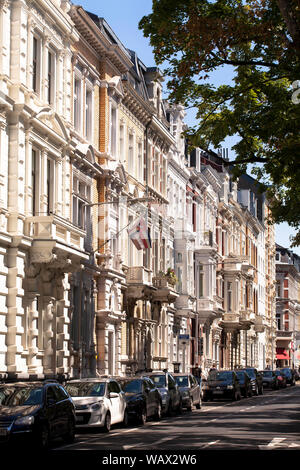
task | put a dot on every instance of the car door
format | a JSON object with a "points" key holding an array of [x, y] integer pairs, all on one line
{"points": [[173, 391], [63, 410], [116, 402], [51, 411], [151, 397]]}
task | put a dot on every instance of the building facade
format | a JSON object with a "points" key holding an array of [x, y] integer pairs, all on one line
{"points": [[88, 147]]}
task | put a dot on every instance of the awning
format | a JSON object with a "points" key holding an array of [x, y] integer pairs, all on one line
{"points": [[282, 354]]}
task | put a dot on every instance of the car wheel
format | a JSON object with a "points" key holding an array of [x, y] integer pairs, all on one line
{"points": [[158, 412], [70, 436], [143, 417], [107, 422]]}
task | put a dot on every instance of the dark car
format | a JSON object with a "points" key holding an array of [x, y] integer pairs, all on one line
{"points": [[256, 380], [142, 398], [281, 379], [245, 383], [169, 391], [270, 379], [224, 384], [39, 410], [289, 375], [189, 389]]}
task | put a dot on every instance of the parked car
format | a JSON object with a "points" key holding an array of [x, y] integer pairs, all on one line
{"points": [[245, 383], [280, 378], [224, 384], [189, 389], [142, 397], [289, 375], [41, 411], [99, 402], [296, 374], [204, 389], [270, 379], [256, 380], [169, 391]]}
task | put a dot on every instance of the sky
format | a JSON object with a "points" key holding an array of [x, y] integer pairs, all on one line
{"points": [[123, 17]]}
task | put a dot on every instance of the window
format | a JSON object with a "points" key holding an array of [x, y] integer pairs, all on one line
{"points": [[140, 161], [113, 130], [51, 78], [36, 64], [77, 104], [229, 296], [50, 185], [34, 182], [122, 146], [200, 280], [81, 197], [89, 113], [130, 153]]}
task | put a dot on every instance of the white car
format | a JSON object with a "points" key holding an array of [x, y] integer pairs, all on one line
{"points": [[98, 402]]}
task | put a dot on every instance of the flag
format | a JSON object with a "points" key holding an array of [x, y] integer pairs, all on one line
{"points": [[139, 234]]}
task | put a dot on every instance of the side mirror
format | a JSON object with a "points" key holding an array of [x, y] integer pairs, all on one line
{"points": [[113, 395], [51, 401]]}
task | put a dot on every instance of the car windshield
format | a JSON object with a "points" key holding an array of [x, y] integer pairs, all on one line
{"points": [[224, 375], [182, 381], [159, 380], [267, 373], [86, 389], [132, 386], [21, 396]]}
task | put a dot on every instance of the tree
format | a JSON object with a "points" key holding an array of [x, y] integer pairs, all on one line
{"points": [[260, 41]]}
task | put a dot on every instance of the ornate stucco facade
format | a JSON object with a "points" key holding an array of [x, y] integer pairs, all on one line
{"points": [[88, 145]]}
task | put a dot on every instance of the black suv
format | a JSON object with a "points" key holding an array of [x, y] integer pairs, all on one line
{"points": [[39, 410], [142, 398], [223, 384], [169, 391], [256, 380]]}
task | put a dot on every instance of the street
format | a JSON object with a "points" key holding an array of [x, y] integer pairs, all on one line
{"points": [[267, 422]]}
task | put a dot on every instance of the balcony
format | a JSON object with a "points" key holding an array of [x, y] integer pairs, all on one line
{"points": [[284, 335], [230, 322], [233, 263], [55, 240], [165, 289], [259, 324], [206, 310], [247, 319], [139, 282]]}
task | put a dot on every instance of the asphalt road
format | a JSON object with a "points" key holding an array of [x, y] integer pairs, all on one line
{"points": [[266, 422]]}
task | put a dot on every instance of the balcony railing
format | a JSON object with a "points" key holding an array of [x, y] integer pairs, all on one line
{"points": [[139, 275]]}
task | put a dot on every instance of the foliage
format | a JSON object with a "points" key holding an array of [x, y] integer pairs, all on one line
{"points": [[260, 41]]}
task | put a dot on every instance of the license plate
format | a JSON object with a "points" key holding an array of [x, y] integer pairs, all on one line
{"points": [[3, 432], [218, 392], [79, 419]]}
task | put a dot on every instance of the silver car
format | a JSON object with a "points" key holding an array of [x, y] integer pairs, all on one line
{"points": [[189, 389], [98, 402]]}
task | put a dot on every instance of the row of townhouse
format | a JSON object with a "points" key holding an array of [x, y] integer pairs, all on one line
{"points": [[88, 146], [287, 308]]}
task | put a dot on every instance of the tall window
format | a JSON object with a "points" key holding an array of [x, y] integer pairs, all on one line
{"points": [[77, 103], [36, 64], [121, 141], [229, 296], [51, 78], [50, 185], [34, 182], [113, 131], [140, 161], [200, 280], [81, 197], [130, 153], [89, 113]]}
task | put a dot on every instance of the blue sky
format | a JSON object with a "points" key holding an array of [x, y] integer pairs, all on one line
{"points": [[123, 17]]}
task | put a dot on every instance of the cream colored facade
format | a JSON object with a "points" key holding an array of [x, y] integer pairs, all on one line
{"points": [[87, 146]]}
